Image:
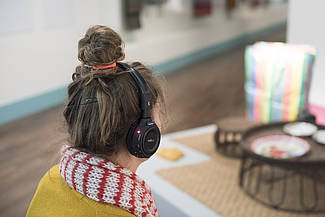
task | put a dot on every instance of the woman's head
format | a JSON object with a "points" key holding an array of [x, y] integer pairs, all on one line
{"points": [[102, 104]]}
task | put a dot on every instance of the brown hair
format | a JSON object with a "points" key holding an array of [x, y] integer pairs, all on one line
{"points": [[100, 126]]}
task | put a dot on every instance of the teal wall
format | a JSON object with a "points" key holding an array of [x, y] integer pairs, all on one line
{"points": [[43, 101]]}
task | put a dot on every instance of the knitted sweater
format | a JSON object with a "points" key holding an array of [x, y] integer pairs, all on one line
{"points": [[54, 198]]}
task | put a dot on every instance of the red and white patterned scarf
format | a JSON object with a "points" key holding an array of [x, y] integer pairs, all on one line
{"points": [[105, 182]]}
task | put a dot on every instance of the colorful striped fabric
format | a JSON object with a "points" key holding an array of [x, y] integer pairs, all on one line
{"points": [[278, 78]]}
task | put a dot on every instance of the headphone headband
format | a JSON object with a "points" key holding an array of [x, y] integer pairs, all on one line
{"points": [[143, 137], [145, 95]]}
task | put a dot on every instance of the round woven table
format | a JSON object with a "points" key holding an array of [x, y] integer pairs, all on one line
{"points": [[229, 135], [296, 184]]}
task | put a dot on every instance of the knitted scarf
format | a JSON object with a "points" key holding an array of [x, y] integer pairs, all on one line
{"points": [[105, 182]]}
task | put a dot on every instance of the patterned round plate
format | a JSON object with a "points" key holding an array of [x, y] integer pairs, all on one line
{"points": [[300, 129], [280, 146], [319, 136]]}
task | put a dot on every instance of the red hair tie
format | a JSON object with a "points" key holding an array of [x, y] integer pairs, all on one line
{"points": [[105, 67]]}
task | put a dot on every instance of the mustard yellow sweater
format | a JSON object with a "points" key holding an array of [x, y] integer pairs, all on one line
{"points": [[54, 198]]}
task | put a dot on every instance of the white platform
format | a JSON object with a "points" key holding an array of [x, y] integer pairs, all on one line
{"points": [[170, 200]]}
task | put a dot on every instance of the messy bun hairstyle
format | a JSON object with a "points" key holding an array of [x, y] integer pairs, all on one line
{"points": [[100, 46], [103, 103]]}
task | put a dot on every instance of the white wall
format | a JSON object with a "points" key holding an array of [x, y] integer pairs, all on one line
{"points": [[42, 56], [167, 34], [306, 26]]}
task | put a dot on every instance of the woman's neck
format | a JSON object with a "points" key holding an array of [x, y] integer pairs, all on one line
{"points": [[125, 159]]}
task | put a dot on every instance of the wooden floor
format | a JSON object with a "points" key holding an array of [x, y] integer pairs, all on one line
{"points": [[197, 95]]}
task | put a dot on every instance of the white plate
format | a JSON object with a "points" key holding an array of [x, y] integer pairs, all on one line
{"points": [[300, 129], [319, 136], [280, 146]]}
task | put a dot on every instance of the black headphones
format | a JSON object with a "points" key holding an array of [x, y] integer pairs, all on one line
{"points": [[143, 137]]}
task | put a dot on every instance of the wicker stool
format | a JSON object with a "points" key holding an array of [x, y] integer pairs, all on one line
{"points": [[229, 135]]}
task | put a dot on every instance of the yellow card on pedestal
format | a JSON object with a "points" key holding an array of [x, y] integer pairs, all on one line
{"points": [[171, 154]]}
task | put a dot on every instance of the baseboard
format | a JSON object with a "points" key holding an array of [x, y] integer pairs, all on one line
{"points": [[31, 105], [210, 51], [41, 102]]}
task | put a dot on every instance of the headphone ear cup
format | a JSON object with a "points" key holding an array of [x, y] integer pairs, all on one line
{"points": [[129, 140], [143, 140]]}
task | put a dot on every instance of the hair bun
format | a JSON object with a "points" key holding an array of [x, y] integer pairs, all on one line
{"points": [[100, 46]]}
